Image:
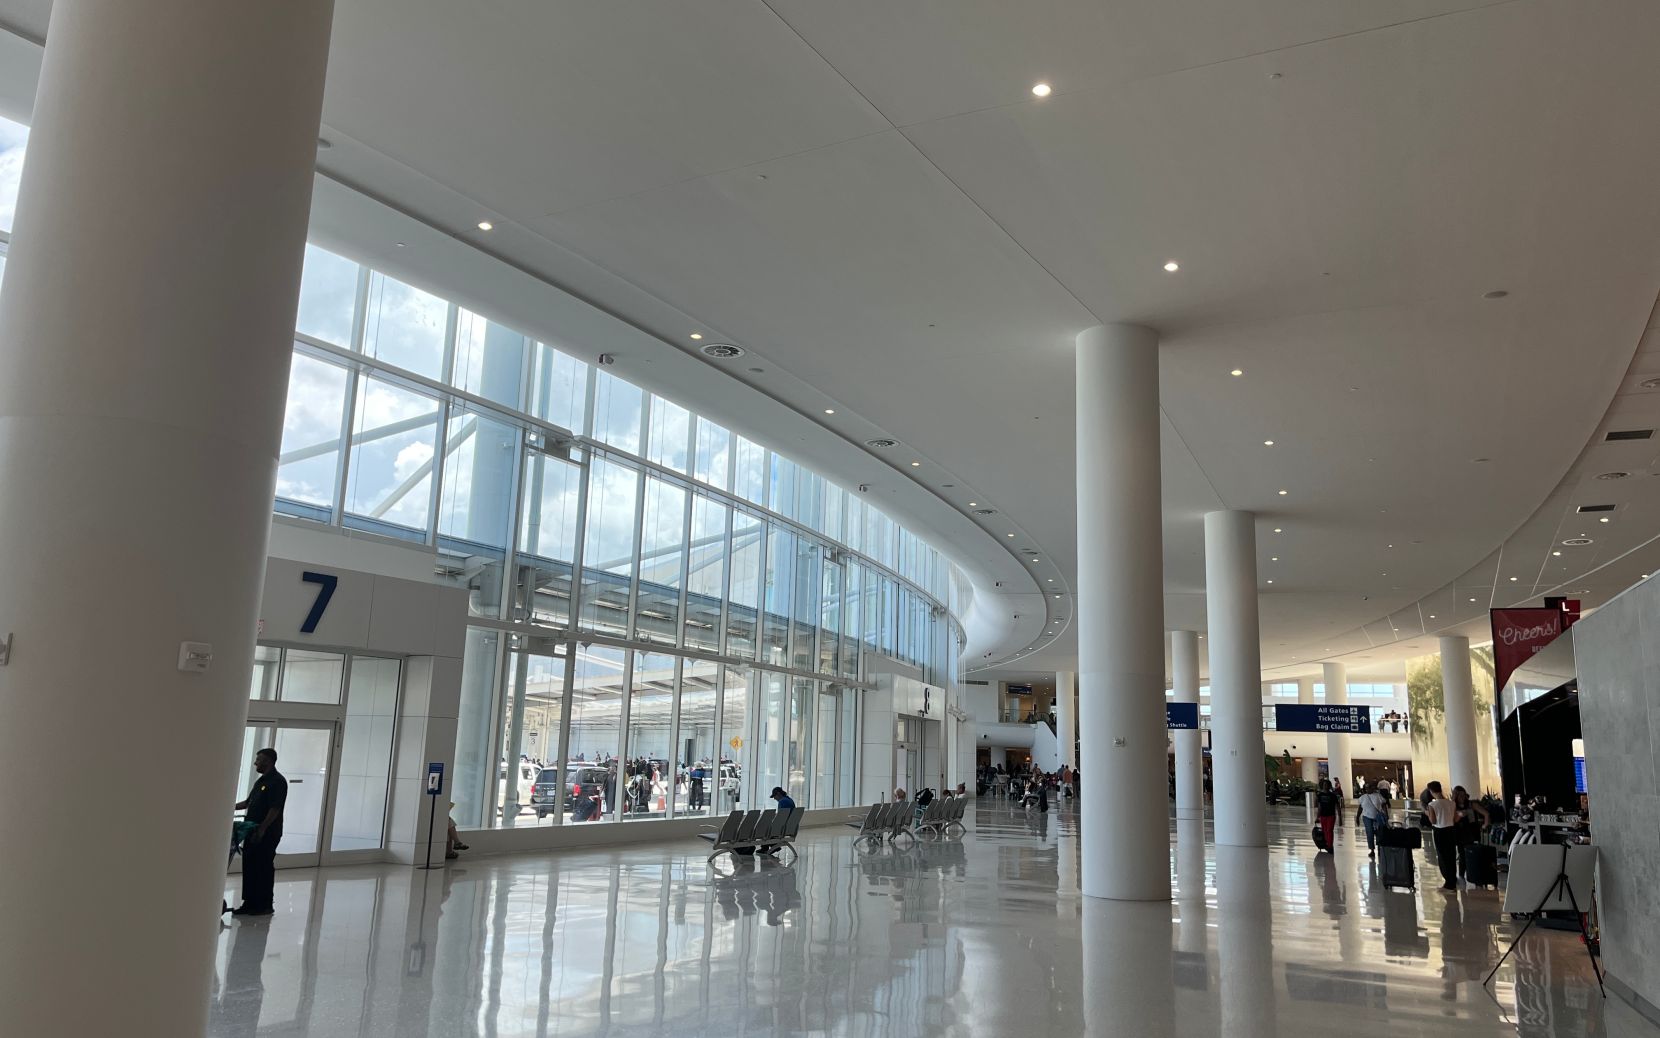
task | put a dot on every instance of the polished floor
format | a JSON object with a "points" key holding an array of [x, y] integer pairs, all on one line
{"points": [[986, 936]]}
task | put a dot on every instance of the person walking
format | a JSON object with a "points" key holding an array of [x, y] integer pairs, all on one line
{"points": [[1443, 821], [264, 805], [1374, 815], [1326, 805]]}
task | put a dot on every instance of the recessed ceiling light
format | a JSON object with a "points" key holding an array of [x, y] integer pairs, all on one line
{"points": [[486, 225], [1556, 553], [1051, 580], [829, 410], [1512, 580], [1432, 616], [1472, 600], [1278, 530], [401, 244], [1604, 519], [1274, 558], [1040, 90], [1011, 535], [1236, 372], [973, 504], [916, 464], [1171, 266], [1267, 443], [1284, 492], [697, 335], [1057, 596], [1270, 582]]}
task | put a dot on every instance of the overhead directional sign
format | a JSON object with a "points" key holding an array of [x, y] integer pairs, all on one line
{"points": [[1322, 717], [1181, 716]]}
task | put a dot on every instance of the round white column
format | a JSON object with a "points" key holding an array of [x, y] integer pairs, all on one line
{"points": [[1126, 844], [1190, 765], [1458, 692], [1238, 800], [1311, 758], [1066, 716], [146, 327], [1339, 764]]}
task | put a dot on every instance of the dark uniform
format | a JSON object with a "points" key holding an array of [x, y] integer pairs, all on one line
{"points": [[259, 855]]}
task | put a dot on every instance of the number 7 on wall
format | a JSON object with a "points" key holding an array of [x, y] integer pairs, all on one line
{"points": [[326, 582]]}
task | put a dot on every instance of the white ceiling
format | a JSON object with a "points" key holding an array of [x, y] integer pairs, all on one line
{"points": [[867, 196]]}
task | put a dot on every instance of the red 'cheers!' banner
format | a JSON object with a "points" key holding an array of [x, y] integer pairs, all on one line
{"points": [[1517, 635]]}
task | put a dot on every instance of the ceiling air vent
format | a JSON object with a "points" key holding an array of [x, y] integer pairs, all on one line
{"points": [[882, 444], [1628, 434], [985, 511], [1577, 542], [1612, 475], [1650, 383], [723, 350], [1596, 508]]}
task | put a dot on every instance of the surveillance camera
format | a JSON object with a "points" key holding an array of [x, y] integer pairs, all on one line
{"points": [[998, 583], [607, 359], [864, 488]]}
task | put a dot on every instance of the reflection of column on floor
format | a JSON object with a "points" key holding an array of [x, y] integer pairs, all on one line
{"points": [[1127, 973], [1246, 950], [1191, 961], [1190, 765]]}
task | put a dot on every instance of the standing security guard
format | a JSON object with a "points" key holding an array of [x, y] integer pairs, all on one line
{"points": [[259, 848]]}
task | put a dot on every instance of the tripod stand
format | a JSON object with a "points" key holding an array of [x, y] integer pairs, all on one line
{"points": [[1565, 886]]}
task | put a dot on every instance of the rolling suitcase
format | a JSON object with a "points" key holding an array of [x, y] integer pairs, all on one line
{"points": [[1400, 836], [1481, 864], [1319, 835], [1397, 867]]}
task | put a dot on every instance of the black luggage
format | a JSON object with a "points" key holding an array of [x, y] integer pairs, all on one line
{"points": [[1481, 864], [1398, 836], [1319, 836], [1397, 867]]}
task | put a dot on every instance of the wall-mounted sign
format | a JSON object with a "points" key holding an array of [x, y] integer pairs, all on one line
{"points": [[1322, 717], [1181, 716]]}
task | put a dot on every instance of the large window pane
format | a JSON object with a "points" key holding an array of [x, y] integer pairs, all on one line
{"points": [[770, 734], [393, 436], [671, 430], [596, 717], [780, 576], [528, 772], [806, 592], [697, 778], [737, 742], [14, 138], [558, 388], [619, 407], [714, 448], [781, 486], [704, 578], [405, 326], [489, 359], [547, 534], [830, 618], [366, 754], [826, 729], [802, 691], [608, 547], [267, 669], [476, 504], [749, 471], [309, 466], [473, 788], [847, 764], [830, 519], [748, 536], [311, 677], [662, 556], [649, 777], [328, 294]]}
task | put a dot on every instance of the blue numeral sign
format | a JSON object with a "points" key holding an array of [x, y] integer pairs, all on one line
{"points": [[327, 583]]}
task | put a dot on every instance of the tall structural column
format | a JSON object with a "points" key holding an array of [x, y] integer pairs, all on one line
{"points": [[1236, 755], [1310, 757], [1458, 693], [1126, 843], [1339, 763], [146, 327], [1190, 765], [1066, 716]]}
